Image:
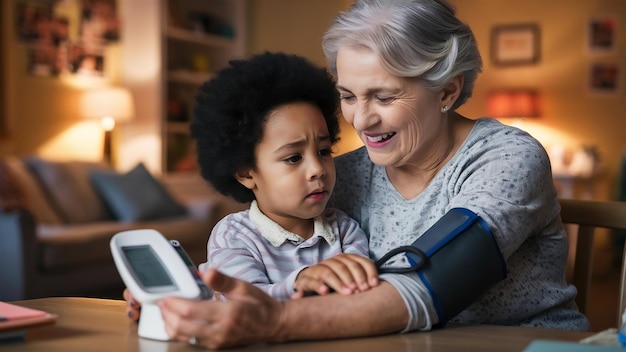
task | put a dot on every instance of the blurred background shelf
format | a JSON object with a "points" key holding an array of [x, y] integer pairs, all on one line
{"points": [[198, 39], [212, 40]]}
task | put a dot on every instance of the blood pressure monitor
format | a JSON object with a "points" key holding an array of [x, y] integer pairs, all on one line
{"points": [[153, 267]]}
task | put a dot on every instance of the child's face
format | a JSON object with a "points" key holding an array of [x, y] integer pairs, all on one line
{"points": [[295, 172]]}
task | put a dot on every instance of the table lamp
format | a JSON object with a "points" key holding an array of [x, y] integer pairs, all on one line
{"points": [[111, 105], [517, 103]]}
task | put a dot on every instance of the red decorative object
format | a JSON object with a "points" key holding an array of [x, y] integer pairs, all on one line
{"points": [[513, 103]]}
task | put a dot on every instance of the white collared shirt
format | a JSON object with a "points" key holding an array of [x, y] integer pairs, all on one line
{"points": [[250, 246]]}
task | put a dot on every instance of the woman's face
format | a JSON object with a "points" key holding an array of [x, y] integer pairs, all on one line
{"points": [[398, 119]]}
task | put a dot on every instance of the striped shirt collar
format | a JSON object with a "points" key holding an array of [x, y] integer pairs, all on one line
{"points": [[276, 235]]}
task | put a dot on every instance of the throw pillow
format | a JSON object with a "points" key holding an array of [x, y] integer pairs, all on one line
{"points": [[10, 194], [136, 195], [67, 185], [31, 194]]}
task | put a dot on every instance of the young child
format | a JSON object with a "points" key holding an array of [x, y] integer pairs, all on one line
{"points": [[264, 130]]}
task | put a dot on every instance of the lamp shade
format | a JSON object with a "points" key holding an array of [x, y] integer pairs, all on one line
{"points": [[114, 102], [110, 105], [513, 103]]}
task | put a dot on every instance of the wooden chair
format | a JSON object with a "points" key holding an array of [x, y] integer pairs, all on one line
{"points": [[589, 215]]}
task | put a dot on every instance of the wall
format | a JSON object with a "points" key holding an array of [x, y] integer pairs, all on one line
{"points": [[291, 26], [43, 110], [140, 70], [44, 116], [571, 115]]}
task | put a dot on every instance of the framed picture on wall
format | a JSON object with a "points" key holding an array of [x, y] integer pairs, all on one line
{"points": [[45, 30], [602, 35], [515, 44], [604, 78]]}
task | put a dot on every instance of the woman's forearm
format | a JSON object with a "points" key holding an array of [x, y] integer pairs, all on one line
{"points": [[377, 311]]}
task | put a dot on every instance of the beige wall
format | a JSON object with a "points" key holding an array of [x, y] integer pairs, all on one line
{"points": [[43, 109], [291, 26], [571, 115]]}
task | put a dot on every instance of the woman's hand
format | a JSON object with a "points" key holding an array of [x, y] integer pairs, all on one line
{"points": [[344, 273], [247, 316], [133, 307]]}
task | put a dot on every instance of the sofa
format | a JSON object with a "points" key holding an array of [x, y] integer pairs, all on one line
{"points": [[57, 219]]}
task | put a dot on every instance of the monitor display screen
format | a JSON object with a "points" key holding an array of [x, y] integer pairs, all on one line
{"points": [[146, 267]]}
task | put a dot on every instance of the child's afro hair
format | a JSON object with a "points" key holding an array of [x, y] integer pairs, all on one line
{"points": [[231, 109]]}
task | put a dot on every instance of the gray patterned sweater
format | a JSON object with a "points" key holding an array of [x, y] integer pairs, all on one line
{"points": [[502, 174]]}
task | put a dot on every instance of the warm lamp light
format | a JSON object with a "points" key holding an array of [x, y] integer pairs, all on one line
{"points": [[513, 103], [110, 105]]}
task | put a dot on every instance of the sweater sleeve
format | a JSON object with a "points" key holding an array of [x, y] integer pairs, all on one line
{"points": [[353, 238], [510, 186]]}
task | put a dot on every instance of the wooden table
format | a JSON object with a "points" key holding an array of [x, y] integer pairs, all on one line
{"points": [[87, 324]]}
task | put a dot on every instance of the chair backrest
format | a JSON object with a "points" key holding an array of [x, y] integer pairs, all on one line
{"points": [[589, 215]]}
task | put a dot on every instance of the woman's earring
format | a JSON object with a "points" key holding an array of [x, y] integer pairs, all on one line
{"points": [[444, 109]]}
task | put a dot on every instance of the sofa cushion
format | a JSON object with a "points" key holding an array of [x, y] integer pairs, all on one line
{"points": [[30, 192], [136, 195], [68, 186], [66, 247], [11, 196]]}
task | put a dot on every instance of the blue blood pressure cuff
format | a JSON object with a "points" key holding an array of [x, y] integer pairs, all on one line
{"points": [[457, 258]]}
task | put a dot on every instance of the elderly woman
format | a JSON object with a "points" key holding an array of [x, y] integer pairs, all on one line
{"points": [[403, 67]]}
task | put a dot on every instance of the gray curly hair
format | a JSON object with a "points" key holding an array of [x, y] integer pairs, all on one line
{"points": [[413, 38]]}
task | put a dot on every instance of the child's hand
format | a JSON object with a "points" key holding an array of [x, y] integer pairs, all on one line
{"points": [[344, 273], [132, 305]]}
